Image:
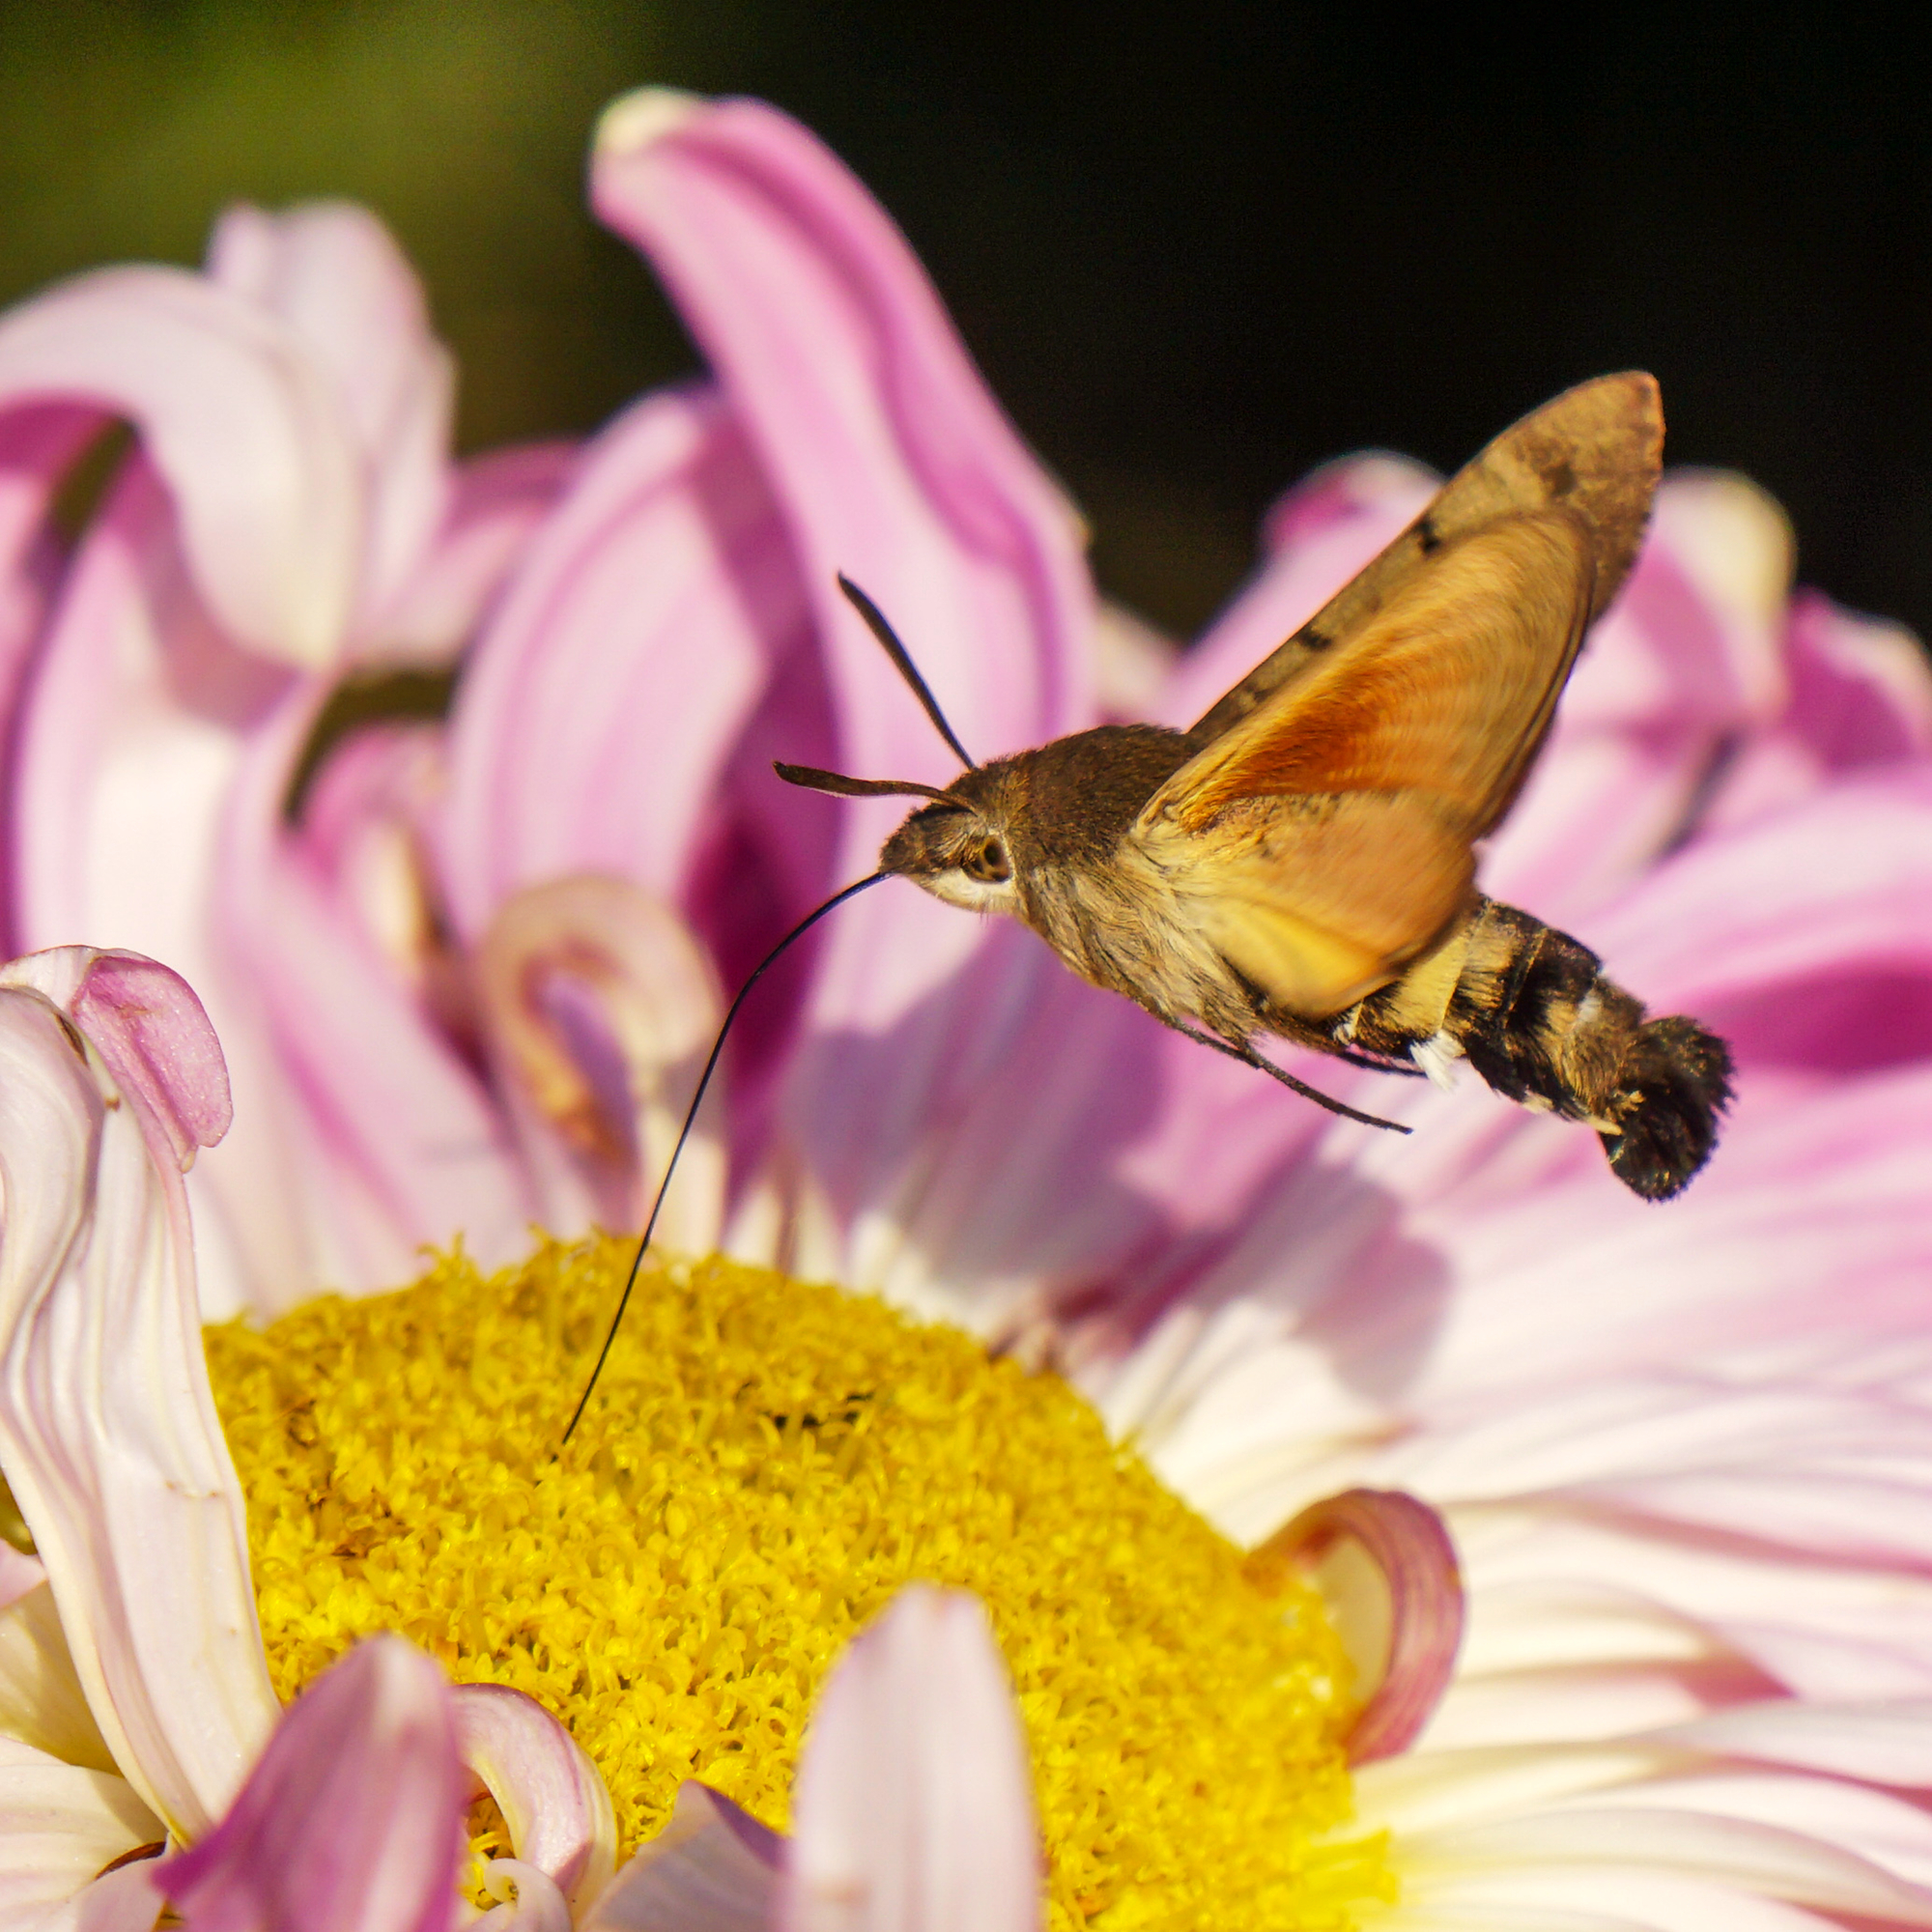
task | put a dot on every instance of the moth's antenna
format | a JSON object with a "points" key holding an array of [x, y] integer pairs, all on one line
{"points": [[757, 973], [875, 622]]}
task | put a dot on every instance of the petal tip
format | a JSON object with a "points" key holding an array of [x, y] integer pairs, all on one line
{"points": [[633, 121]]}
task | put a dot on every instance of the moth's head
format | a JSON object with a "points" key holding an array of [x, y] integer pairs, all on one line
{"points": [[958, 847]]}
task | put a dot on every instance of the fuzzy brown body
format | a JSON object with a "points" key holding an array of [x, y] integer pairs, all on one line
{"points": [[1526, 1006]]}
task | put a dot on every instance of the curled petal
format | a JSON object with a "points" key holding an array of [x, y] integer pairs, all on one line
{"points": [[529, 1899], [601, 1006], [548, 1792], [889, 457], [371, 1132], [713, 1868], [152, 1031], [352, 1822], [1387, 1572], [238, 419], [108, 1433], [913, 1806]]}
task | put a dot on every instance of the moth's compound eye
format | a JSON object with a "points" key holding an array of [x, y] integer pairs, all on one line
{"points": [[988, 862]]}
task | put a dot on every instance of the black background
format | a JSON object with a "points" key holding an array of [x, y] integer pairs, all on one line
{"points": [[1196, 250]]}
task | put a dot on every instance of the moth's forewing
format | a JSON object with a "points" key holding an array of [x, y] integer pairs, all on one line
{"points": [[1596, 450], [1324, 840], [1445, 688]]}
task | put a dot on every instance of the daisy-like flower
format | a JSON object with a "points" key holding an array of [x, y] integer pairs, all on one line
{"points": [[136, 1713], [1682, 1450]]}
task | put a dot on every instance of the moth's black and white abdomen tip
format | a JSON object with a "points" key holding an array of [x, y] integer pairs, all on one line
{"points": [[1679, 1080]]}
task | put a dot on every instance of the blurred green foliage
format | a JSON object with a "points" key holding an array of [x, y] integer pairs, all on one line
{"points": [[124, 129]]}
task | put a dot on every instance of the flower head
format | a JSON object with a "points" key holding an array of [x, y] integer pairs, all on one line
{"points": [[1680, 1450]]}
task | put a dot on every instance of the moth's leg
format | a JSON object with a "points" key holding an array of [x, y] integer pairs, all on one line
{"points": [[1363, 1059], [1242, 1052]]}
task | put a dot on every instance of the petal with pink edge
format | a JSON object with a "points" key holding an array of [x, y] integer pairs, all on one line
{"points": [[1387, 1572], [713, 1868], [148, 1025], [238, 416], [353, 1819], [913, 1808], [107, 1428], [550, 1793]]}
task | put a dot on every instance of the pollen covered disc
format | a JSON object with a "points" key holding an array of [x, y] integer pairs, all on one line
{"points": [[764, 1466]]}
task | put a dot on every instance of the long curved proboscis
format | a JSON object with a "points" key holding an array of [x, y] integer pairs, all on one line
{"points": [[888, 640], [757, 973]]}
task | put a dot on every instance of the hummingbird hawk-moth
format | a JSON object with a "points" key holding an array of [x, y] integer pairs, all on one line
{"points": [[1300, 861]]}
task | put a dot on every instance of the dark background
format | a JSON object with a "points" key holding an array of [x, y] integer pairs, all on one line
{"points": [[1195, 256]]}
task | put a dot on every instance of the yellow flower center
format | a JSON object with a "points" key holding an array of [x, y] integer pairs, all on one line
{"points": [[763, 1467]]}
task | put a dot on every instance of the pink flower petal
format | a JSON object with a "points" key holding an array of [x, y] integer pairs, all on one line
{"points": [[713, 1868], [240, 420], [372, 1134], [1840, 885], [107, 1429], [913, 1806], [889, 461], [152, 1031], [351, 1822], [595, 718], [889, 458], [331, 272], [1612, 1844], [498, 502], [59, 1826], [122, 1900], [1861, 697], [1387, 1572], [548, 1792]]}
